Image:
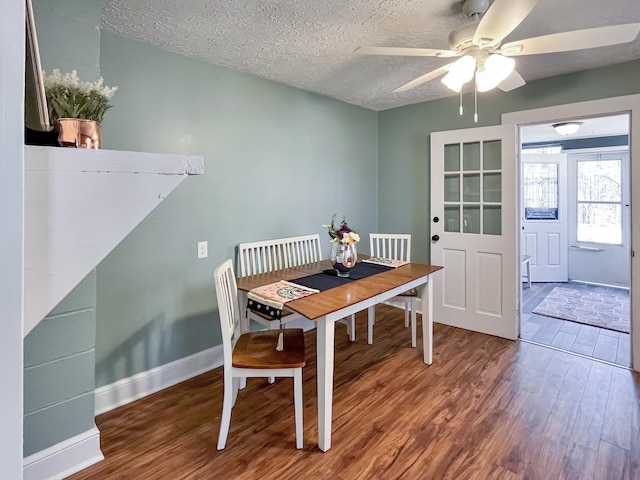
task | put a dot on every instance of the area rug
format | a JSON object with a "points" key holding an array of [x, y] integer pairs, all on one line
{"points": [[602, 310]]}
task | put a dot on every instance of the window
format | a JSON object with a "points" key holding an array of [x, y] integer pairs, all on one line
{"points": [[599, 201], [540, 191]]}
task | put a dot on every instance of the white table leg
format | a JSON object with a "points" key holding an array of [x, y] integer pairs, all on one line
{"points": [[371, 320], [427, 321], [325, 331]]}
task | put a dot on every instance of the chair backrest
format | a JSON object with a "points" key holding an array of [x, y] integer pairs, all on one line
{"points": [[227, 295], [269, 255], [396, 246]]}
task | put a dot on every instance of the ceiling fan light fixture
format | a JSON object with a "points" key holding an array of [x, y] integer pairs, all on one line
{"points": [[460, 72], [567, 128], [496, 68]]}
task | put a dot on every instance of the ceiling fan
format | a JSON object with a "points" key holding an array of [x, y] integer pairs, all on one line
{"points": [[482, 54]]}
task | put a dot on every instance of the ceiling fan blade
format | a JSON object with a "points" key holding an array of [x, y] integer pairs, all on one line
{"points": [[501, 19], [513, 81], [576, 40], [405, 51], [422, 79]]}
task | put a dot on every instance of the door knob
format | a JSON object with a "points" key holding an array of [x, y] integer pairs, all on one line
{"points": [[435, 238]]}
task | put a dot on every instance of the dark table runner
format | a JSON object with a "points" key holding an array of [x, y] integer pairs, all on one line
{"points": [[329, 279]]}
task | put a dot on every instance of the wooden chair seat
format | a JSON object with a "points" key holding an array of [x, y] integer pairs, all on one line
{"points": [[258, 349]]}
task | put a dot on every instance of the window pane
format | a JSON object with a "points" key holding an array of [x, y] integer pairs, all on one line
{"points": [[599, 181], [452, 218], [492, 187], [492, 221], [452, 157], [471, 221], [492, 155], [540, 191], [599, 223], [471, 187], [452, 188], [471, 156]]}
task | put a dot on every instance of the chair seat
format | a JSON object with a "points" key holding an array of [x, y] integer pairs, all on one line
{"points": [[409, 293], [258, 350]]}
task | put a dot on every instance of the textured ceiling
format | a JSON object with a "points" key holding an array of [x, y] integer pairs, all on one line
{"points": [[309, 44]]}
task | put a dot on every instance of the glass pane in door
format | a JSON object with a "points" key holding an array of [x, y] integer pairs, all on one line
{"points": [[492, 187], [452, 157], [452, 218], [452, 188], [471, 219], [492, 155], [471, 187], [540, 191], [471, 156]]}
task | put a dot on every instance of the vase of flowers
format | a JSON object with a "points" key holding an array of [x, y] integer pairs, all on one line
{"points": [[77, 108], [343, 252]]}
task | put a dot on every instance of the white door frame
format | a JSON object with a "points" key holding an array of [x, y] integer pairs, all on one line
{"points": [[12, 50], [608, 106]]}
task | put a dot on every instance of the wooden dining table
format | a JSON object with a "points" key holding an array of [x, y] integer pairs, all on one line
{"points": [[328, 306]]}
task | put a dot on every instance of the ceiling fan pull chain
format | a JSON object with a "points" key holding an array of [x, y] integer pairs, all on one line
{"points": [[461, 109], [475, 102]]}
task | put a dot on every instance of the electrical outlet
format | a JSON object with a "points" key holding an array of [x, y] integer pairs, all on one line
{"points": [[203, 249]]}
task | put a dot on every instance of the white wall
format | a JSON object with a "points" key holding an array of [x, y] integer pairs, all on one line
{"points": [[12, 26]]}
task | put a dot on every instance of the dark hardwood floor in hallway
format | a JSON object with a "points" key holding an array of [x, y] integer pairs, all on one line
{"points": [[487, 408], [600, 343]]}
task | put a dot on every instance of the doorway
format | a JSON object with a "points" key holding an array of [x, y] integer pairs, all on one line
{"points": [[575, 220]]}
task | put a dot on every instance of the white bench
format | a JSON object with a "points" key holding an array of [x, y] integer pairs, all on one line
{"points": [[270, 255]]}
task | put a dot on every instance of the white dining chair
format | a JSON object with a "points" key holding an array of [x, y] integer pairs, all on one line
{"points": [[270, 255], [254, 354], [396, 246]]}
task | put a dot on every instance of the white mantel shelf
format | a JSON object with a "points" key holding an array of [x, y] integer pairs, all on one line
{"points": [[79, 204]]}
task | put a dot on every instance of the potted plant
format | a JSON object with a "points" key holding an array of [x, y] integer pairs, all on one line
{"points": [[77, 108]]}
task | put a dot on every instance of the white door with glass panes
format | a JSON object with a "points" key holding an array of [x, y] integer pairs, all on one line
{"points": [[599, 237], [473, 228], [544, 216]]}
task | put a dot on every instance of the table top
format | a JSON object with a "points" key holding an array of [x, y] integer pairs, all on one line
{"points": [[334, 299]]}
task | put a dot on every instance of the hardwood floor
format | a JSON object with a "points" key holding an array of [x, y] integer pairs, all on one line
{"points": [[487, 408], [594, 342]]}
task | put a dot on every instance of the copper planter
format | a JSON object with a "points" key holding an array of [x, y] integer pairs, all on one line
{"points": [[79, 133]]}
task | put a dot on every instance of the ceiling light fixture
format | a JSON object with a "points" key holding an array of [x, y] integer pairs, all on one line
{"points": [[489, 72], [567, 128], [460, 72], [495, 69]]}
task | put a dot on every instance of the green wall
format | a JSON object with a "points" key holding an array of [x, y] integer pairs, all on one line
{"points": [[403, 147], [278, 162], [58, 371]]}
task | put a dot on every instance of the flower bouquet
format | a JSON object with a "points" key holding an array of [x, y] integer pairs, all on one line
{"points": [[343, 252]]}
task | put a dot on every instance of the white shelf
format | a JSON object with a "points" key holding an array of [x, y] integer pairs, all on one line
{"points": [[79, 204]]}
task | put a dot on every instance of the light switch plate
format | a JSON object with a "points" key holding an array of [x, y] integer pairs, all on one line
{"points": [[203, 249]]}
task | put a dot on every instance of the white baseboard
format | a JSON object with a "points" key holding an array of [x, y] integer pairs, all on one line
{"points": [[65, 458], [145, 383]]}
